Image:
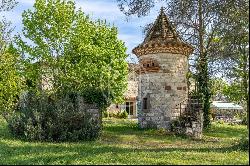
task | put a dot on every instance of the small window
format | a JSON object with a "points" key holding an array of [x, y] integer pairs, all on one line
{"points": [[167, 87], [147, 65], [117, 106], [145, 103], [130, 108], [179, 88], [153, 64]]}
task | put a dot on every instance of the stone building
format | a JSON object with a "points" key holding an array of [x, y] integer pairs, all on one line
{"points": [[163, 61], [130, 104]]}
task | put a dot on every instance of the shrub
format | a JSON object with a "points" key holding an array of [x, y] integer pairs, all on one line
{"points": [[177, 126], [242, 143], [105, 114], [120, 114], [244, 120], [123, 114], [54, 118], [220, 122]]}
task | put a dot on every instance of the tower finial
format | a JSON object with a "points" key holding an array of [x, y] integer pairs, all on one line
{"points": [[162, 9], [162, 33]]}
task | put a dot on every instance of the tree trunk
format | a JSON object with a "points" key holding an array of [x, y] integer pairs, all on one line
{"points": [[245, 84], [203, 70]]}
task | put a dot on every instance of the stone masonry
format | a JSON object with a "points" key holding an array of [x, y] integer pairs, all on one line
{"points": [[163, 60]]}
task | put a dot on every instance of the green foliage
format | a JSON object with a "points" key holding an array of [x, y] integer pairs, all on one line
{"points": [[123, 143], [105, 114], [244, 119], [123, 114], [220, 122], [75, 53], [47, 118], [232, 53], [69, 56], [234, 92], [204, 90], [242, 143], [7, 5], [218, 87], [94, 96], [177, 126], [120, 114], [10, 79]]}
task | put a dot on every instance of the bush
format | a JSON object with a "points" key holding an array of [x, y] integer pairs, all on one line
{"points": [[123, 114], [105, 114], [177, 126], [244, 120], [54, 118], [220, 122], [120, 114], [242, 143]]}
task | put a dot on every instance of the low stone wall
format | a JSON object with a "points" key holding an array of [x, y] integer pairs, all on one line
{"points": [[153, 119], [195, 130], [192, 127]]}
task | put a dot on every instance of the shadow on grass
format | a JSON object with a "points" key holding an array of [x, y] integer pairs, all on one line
{"points": [[15, 151], [226, 131], [45, 154]]}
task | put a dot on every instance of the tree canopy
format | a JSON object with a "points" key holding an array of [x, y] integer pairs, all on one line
{"points": [[10, 78], [219, 32], [71, 52]]}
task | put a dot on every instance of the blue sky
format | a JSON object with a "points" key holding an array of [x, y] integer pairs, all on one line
{"points": [[129, 28]]}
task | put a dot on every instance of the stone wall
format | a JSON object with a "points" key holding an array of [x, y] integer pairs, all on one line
{"points": [[188, 118], [163, 89], [196, 128], [132, 90]]}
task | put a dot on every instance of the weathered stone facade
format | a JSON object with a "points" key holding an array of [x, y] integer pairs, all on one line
{"points": [[162, 89], [130, 104], [188, 118], [163, 60]]}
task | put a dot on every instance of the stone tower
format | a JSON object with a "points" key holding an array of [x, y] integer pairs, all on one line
{"points": [[163, 60]]}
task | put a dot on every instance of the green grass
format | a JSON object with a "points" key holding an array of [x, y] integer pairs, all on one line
{"points": [[123, 143]]}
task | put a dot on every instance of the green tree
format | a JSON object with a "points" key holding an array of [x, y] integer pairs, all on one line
{"points": [[7, 5], [72, 53], [218, 87], [231, 50], [10, 79], [197, 22]]}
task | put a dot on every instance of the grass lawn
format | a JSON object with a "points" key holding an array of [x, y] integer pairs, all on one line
{"points": [[123, 143]]}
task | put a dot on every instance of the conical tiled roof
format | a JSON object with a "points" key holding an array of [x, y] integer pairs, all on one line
{"points": [[162, 37]]}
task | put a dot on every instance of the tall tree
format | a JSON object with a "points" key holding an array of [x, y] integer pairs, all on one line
{"points": [[71, 52], [10, 79], [231, 49], [5, 29], [197, 22], [218, 87]]}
